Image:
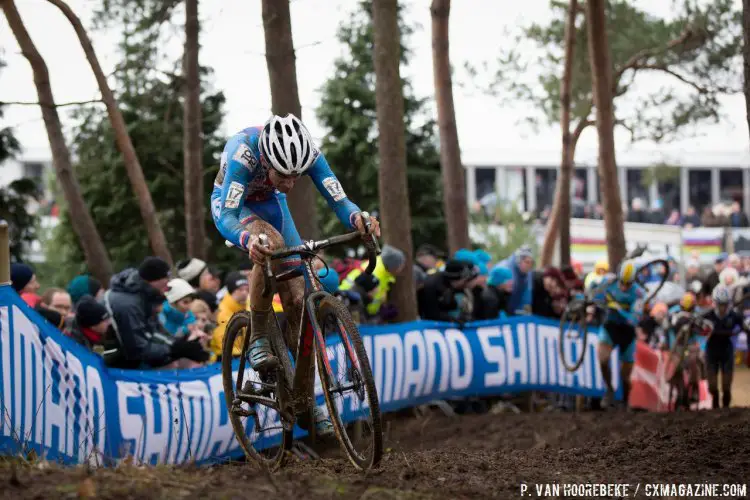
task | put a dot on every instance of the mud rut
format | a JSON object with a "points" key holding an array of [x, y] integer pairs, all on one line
{"points": [[485, 456]]}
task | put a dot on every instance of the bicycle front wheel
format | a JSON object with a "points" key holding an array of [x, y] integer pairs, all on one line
{"points": [[573, 338], [252, 403], [348, 386]]}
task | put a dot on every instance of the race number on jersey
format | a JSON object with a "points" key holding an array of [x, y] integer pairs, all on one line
{"points": [[333, 186], [234, 195]]}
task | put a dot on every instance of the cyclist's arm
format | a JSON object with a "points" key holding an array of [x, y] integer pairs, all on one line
{"points": [[330, 187], [233, 192]]}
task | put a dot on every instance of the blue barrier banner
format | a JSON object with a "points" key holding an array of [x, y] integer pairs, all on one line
{"points": [[60, 400]]}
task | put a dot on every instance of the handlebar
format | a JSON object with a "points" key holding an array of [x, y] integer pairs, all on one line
{"points": [[311, 247]]}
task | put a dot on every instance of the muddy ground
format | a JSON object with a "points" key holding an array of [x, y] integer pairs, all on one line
{"points": [[434, 456]]}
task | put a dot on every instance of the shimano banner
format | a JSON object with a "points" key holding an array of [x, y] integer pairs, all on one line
{"points": [[62, 402]]}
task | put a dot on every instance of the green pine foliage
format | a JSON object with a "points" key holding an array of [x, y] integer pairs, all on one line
{"points": [[151, 104], [347, 110]]}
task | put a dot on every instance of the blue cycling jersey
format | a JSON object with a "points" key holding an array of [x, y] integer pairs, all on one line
{"points": [[243, 192], [622, 305]]}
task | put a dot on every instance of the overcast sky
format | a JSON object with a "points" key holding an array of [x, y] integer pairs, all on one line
{"points": [[233, 44]]}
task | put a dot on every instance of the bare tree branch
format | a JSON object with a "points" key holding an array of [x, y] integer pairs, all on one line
{"points": [[700, 88], [652, 52], [60, 105]]}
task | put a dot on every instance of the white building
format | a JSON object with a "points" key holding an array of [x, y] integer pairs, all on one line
{"points": [[704, 178]]}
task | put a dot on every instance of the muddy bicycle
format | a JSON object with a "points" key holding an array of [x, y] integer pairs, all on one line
{"points": [[591, 310], [272, 404], [685, 392]]}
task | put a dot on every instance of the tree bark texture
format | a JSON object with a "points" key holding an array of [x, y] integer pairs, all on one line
{"points": [[124, 144], [195, 198], [394, 195], [282, 75], [91, 242], [560, 213], [454, 186], [601, 74]]}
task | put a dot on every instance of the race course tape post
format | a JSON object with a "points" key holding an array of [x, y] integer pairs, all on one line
{"points": [[60, 400]]}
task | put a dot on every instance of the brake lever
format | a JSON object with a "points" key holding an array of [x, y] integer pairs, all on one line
{"points": [[371, 243], [267, 269]]}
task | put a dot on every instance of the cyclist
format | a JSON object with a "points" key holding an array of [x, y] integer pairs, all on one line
{"points": [[623, 297], [719, 348], [682, 314], [259, 165]]}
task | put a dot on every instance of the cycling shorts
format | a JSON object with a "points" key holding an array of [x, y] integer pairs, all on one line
{"points": [[620, 335], [274, 211]]}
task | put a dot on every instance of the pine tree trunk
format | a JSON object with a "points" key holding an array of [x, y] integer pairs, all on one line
{"points": [[746, 58], [124, 144], [195, 198], [601, 75], [91, 242], [394, 195], [560, 213], [454, 187], [282, 75]]}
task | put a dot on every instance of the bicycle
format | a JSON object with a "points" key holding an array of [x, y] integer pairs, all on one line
{"points": [[680, 391], [282, 397], [586, 310]]}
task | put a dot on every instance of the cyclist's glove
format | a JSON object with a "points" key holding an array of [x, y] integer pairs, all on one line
{"points": [[190, 349]]}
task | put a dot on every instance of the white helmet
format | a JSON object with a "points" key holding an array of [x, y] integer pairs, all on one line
{"points": [[287, 145]]}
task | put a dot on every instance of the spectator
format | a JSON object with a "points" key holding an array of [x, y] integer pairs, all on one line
{"points": [[601, 268], [691, 219], [85, 285], [692, 271], [364, 287], [713, 278], [24, 282], [133, 301], [709, 219], [202, 314], [496, 295], [521, 264], [734, 261], [90, 324], [656, 214], [235, 300], [548, 289], [738, 218], [205, 279], [674, 218], [438, 295], [425, 263], [637, 213], [390, 264], [175, 315], [53, 317], [573, 282], [58, 300]]}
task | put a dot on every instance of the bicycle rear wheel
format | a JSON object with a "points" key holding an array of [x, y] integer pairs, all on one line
{"points": [[253, 405], [573, 337], [344, 368]]}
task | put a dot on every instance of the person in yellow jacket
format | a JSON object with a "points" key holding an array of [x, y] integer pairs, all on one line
{"points": [[601, 268], [390, 264], [233, 301]]}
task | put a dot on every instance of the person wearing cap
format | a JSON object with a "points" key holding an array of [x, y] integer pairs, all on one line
{"points": [[471, 297], [84, 284], [496, 294], [24, 282], [175, 315], [425, 263], [235, 300], [390, 264], [134, 297], [90, 324], [437, 298], [204, 278], [521, 264]]}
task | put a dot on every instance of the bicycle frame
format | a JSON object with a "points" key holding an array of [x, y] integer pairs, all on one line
{"points": [[309, 328]]}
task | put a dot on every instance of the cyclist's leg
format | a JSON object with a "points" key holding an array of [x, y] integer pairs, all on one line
{"points": [[627, 359], [257, 221], [727, 373], [712, 369], [603, 352]]}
